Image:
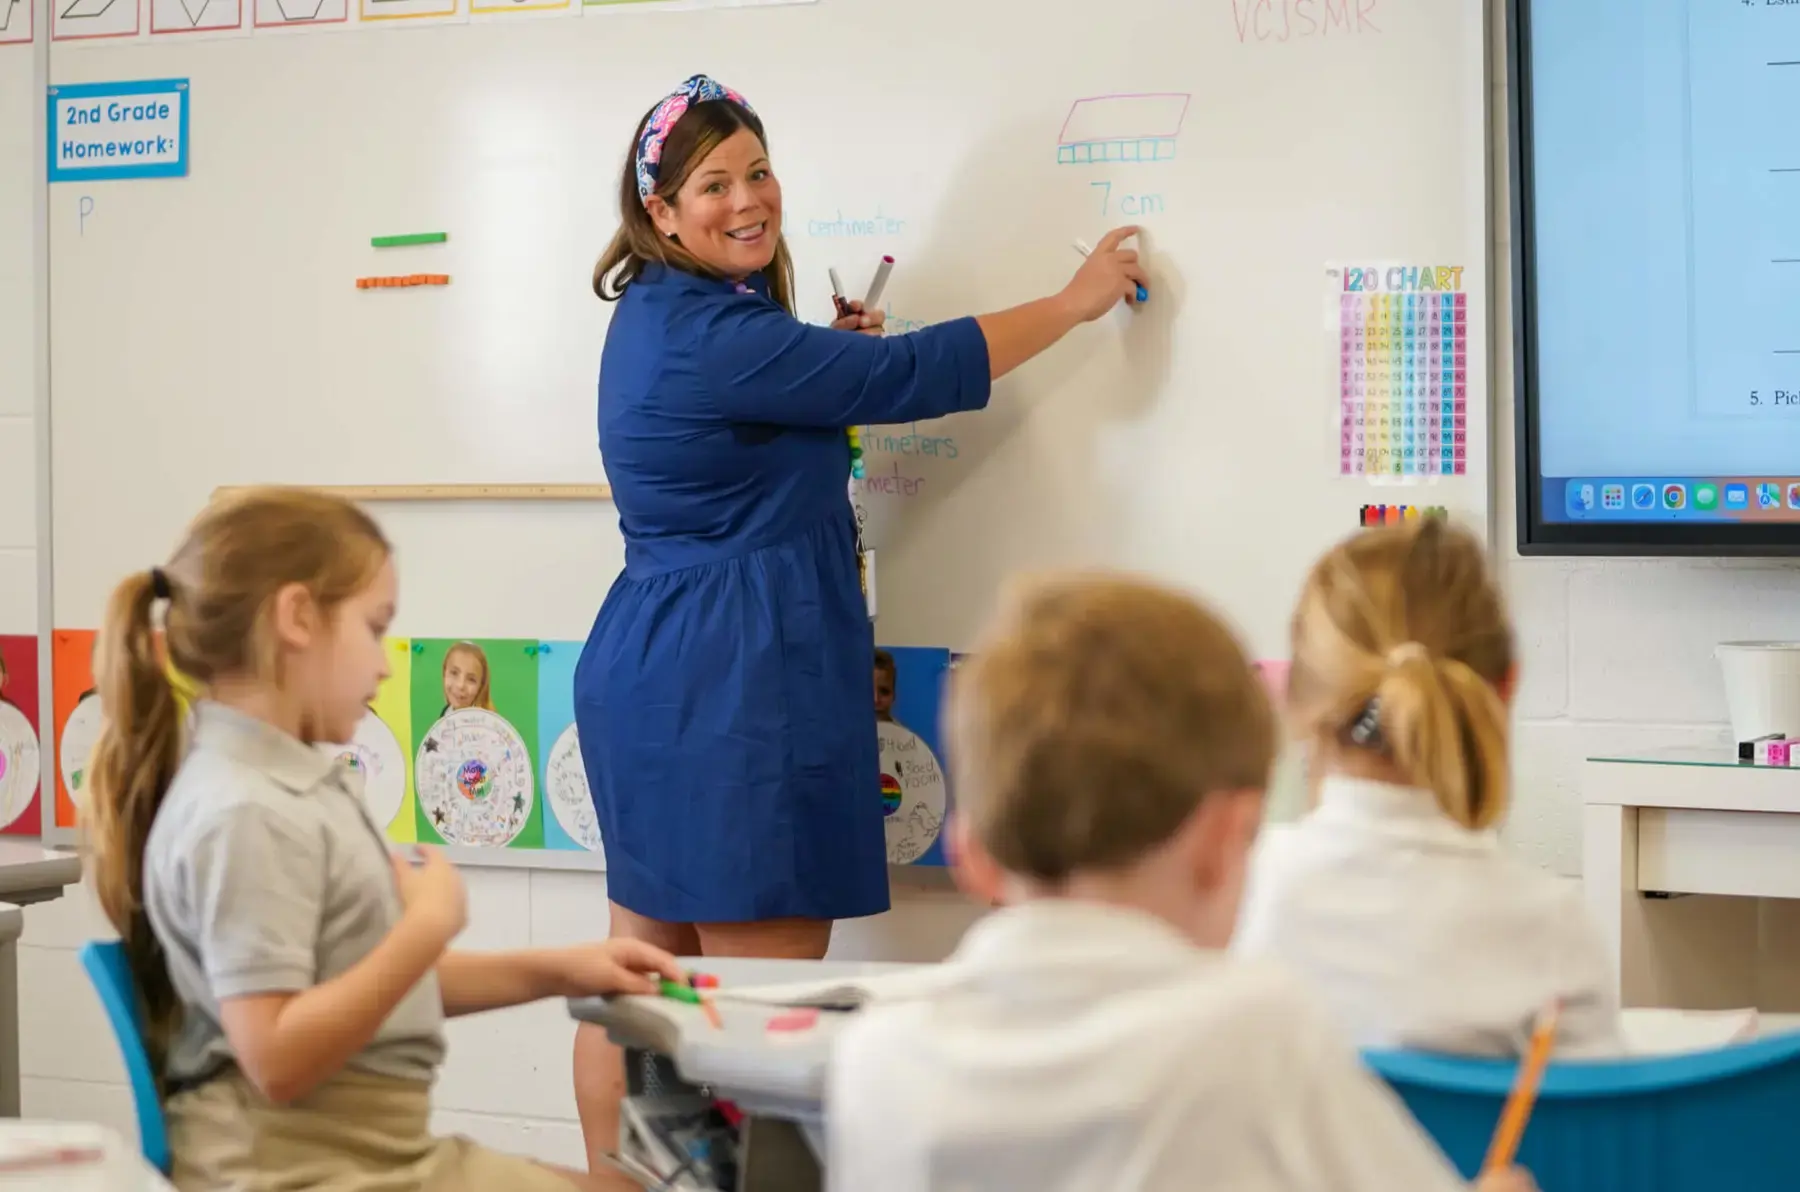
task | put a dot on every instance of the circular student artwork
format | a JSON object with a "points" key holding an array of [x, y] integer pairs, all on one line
{"points": [[18, 763], [474, 779], [913, 796], [375, 755], [78, 738], [566, 790]]}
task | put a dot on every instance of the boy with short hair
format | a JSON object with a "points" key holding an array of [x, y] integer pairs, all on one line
{"points": [[1110, 744]]}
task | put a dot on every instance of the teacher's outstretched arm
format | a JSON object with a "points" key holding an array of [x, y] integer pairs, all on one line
{"points": [[1109, 275], [763, 365]]}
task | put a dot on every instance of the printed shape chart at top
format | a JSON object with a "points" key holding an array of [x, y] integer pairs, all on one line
{"points": [[16, 22], [411, 10], [289, 14], [195, 16], [83, 20], [523, 8], [1401, 337]]}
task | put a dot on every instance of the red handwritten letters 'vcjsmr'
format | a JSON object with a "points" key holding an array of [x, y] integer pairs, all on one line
{"points": [[1296, 20]]}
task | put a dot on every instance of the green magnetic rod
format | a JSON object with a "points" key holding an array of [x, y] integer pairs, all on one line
{"points": [[413, 238]]}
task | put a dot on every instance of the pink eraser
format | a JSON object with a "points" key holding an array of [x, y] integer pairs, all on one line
{"points": [[795, 1020], [1780, 752]]}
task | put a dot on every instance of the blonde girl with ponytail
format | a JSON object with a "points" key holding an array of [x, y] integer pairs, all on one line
{"points": [[294, 974], [1393, 894]]}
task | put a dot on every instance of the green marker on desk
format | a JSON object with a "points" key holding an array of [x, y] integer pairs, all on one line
{"points": [[679, 992]]}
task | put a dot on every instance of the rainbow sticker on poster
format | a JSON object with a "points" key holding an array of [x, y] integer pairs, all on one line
{"points": [[474, 779], [914, 813], [915, 794], [375, 756]]}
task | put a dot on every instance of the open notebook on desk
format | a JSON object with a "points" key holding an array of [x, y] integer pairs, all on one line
{"points": [[834, 993]]}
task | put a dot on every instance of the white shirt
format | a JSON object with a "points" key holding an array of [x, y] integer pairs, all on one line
{"points": [[1422, 934], [1074, 1046]]}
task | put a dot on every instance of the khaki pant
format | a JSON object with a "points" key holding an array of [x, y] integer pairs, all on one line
{"points": [[356, 1133]]}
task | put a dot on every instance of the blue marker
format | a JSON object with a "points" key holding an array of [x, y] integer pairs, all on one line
{"points": [[1081, 247]]}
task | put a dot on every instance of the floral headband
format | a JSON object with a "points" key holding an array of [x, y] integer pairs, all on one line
{"points": [[663, 118]]}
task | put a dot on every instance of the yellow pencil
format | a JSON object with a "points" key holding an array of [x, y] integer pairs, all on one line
{"points": [[1524, 1092]]}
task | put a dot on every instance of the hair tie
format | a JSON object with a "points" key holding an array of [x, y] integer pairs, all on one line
{"points": [[663, 118], [1365, 731], [159, 584], [1407, 652]]}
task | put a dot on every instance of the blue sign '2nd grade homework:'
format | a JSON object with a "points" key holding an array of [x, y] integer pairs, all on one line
{"points": [[119, 130]]}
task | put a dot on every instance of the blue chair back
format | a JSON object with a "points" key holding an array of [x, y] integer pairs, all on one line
{"points": [[1711, 1121], [110, 971]]}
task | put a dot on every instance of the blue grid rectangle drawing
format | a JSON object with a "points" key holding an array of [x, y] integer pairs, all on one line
{"points": [[1122, 128]]}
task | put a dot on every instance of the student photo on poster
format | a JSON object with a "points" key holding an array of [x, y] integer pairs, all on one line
{"points": [[468, 680], [476, 741], [886, 682]]}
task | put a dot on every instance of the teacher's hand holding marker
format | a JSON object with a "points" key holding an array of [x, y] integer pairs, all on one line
{"points": [[727, 828], [865, 316]]}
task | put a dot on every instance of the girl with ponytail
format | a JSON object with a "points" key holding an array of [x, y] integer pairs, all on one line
{"points": [[1393, 893], [294, 975]]}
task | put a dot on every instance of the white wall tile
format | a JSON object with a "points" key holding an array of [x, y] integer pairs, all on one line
{"points": [[80, 1101], [499, 909], [516, 1063], [67, 922], [18, 590], [1641, 634], [63, 1032], [568, 908], [1537, 596], [555, 1142]]}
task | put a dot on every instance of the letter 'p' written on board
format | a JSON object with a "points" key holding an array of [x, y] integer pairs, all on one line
{"points": [[108, 131]]}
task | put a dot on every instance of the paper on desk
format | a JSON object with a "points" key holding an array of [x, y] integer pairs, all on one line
{"points": [[1667, 1032], [838, 993], [46, 1156]]}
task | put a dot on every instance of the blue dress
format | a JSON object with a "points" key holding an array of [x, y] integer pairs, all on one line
{"points": [[725, 698]]}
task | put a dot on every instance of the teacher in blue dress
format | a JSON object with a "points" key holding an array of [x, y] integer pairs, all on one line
{"points": [[725, 698]]}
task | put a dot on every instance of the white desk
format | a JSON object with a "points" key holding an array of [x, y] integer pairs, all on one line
{"points": [[1663, 827], [778, 1084], [28, 873], [119, 1169]]}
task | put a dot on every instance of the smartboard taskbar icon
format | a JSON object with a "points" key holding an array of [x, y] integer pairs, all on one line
{"points": [[1639, 498]]}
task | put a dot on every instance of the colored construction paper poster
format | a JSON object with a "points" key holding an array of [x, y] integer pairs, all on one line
{"points": [[22, 757], [475, 738], [569, 820], [380, 749], [77, 708], [915, 785]]}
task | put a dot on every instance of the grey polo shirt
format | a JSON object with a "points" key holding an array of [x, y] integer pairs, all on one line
{"points": [[265, 874]]}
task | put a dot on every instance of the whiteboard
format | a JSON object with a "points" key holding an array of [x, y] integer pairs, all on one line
{"points": [[207, 331]]}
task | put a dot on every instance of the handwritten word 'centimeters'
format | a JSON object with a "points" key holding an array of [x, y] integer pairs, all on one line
{"points": [[410, 279]]}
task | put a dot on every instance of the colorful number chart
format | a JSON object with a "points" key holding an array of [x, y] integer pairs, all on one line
{"points": [[1403, 370]]}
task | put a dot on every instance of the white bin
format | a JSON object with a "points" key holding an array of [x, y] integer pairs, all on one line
{"points": [[1762, 687]]}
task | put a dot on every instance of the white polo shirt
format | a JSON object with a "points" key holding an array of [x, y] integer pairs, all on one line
{"points": [[1422, 934], [1076, 1046]]}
